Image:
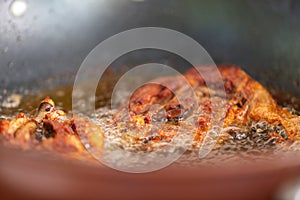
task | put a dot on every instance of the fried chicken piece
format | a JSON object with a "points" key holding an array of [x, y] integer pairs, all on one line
{"points": [[52, 130], [246, 101], [160, 107]]}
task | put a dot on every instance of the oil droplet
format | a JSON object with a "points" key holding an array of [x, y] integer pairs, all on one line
{"points": [[18, 39], [12, 101], [3, 51], [18, 8], [10, 64]]}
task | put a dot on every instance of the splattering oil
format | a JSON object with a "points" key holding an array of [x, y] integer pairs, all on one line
{"points": [[251, 141]]}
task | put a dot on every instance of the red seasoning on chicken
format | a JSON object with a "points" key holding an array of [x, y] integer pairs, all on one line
{"points": [[246, 102]]}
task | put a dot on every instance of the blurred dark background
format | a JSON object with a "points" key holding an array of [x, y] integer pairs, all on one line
{"points": [[51, 38]]}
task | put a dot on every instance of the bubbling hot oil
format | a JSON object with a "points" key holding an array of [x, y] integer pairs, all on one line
{"points": [[251, 142]]}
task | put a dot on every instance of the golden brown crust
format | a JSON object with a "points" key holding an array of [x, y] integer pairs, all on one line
{"points": [[246, 101], [50, 133]]}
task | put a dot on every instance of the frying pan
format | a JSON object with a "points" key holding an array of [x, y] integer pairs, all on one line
{"points": [[45, 46]]}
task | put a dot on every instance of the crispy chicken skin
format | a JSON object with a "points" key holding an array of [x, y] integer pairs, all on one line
{"points": [[50, 129], [246, 101]]}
